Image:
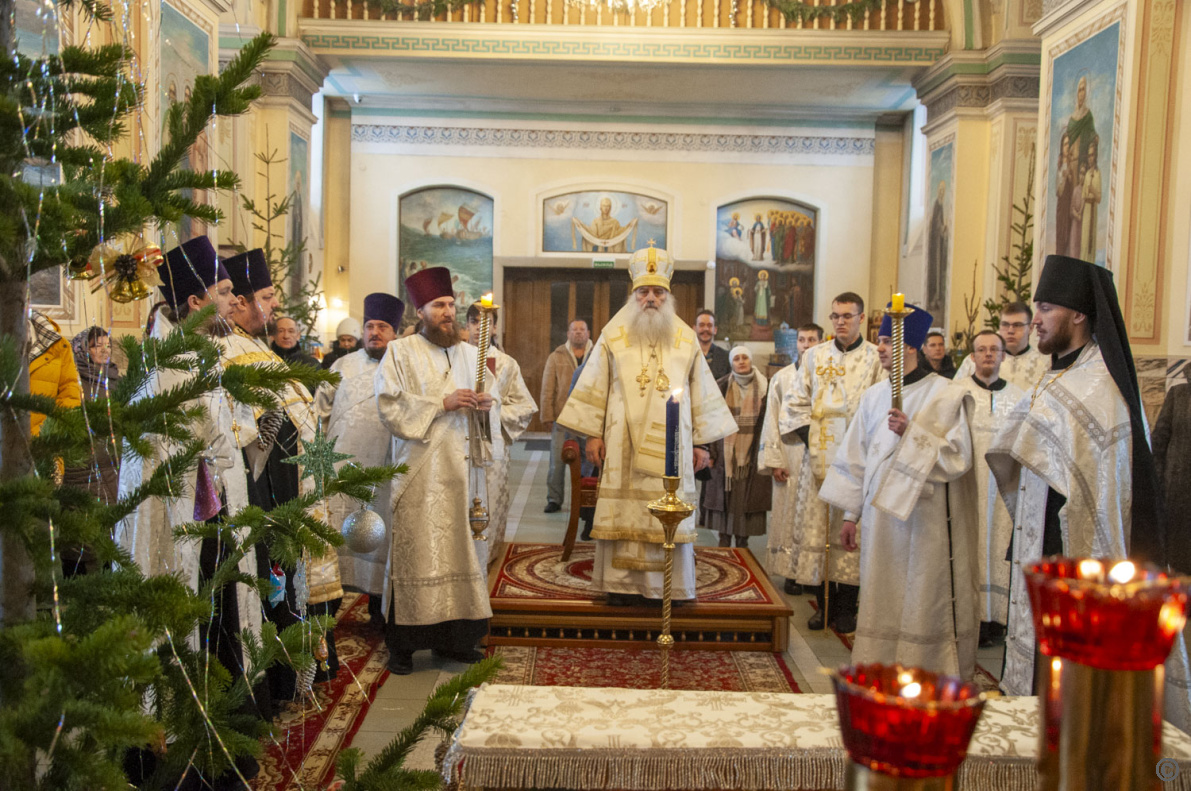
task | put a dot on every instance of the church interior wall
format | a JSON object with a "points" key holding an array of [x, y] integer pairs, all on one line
{"points": [[698, 183]]}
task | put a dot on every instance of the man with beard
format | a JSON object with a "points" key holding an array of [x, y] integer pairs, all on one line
{"points": [[272, 481], [351, 418], [1073, 464], [645, 355], [1023, 364], [511, 413], [716, 356], [817, 410], [556, 386], [426, 396]]}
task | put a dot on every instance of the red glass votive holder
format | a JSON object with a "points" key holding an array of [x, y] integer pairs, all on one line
{"points": [[906, 722], [1106, 614]]}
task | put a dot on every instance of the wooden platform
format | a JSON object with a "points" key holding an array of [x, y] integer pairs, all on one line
{"points": [[539, 601]]}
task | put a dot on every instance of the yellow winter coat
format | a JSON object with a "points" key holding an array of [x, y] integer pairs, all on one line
{"points": [[52, 373]]}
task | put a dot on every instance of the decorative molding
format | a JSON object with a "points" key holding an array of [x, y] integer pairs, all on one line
{"points": [[537, 42], [978, 80], [613, 140], [275, 83]]}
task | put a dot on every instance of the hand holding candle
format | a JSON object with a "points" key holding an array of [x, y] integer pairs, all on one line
{"points": [[672, 448]]}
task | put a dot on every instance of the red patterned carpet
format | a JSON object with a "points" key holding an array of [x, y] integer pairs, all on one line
{"points": [[310, 735], [536, 572], [719, 671]]}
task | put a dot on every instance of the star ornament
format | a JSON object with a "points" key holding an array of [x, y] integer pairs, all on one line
{"points": [[318, 459]]}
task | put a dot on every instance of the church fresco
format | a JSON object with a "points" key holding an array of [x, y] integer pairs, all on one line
{"points": [[602, 221], [940, 219], [1080, 147], [765, 267], [185, 54], [451, 227]]}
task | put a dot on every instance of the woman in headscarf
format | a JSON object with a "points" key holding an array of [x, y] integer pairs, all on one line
{"points": [[738, 498], [97, 375]]}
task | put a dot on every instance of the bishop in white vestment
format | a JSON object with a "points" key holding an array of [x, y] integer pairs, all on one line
{"points": [[353, 421], [425, 394], [818, 409], [902, 475], [994, 399], [1073, 462], [514, 410], [643, 355]]}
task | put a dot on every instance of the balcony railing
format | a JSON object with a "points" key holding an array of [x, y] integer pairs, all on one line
{"points": [[894, 15]]}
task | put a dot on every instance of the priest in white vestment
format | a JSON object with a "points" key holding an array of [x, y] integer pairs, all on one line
{"points": [[644, 355], [783, 458], [1024, 365], [353, 421], [818, 410], [1073, 461], [192, 279], [902, 475], [513, 412], [426, 396], [994, 399], [282, 431]]}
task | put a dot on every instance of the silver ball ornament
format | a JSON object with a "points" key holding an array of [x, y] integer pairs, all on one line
{"points": [[363, 530]]}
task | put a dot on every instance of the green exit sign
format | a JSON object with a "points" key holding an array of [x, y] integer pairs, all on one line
{"points": [[603, 263]]}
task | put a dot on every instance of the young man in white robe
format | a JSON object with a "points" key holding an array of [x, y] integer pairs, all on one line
{"points": [[425, 390], [901, 475], [351, 419], [783, 457], [192, 279], [513, 414], [643, 357], [818, 410], [1073, 462], [1023, 365], [994, 398], [282, 433]]}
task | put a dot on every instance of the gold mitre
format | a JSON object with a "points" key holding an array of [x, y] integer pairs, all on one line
{"points": [[651, 266]]}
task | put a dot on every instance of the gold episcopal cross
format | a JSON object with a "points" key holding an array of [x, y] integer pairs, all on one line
{"points": [[643, 379], [825, 436]]}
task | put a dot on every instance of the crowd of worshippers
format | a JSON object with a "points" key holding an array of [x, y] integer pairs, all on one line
{"points": [[908, 525]]}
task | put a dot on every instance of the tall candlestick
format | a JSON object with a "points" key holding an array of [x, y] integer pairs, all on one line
{"points": [[672, 445], [897, 313]]}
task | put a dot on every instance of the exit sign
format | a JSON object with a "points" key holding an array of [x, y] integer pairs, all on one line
{"points": [[603, 263]]}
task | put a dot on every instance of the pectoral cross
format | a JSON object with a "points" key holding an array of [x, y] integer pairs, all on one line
{"points": [[825, 436], [643, 379]]}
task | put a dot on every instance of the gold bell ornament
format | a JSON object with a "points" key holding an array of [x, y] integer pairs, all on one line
{"points": [[128, 275]]}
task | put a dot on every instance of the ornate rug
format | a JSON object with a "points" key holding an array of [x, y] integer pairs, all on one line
{"points": [[308, 735], [723, 575], [634, 668]]}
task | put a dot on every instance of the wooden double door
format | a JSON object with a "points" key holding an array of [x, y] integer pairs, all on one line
{"points": [[541, 303]]}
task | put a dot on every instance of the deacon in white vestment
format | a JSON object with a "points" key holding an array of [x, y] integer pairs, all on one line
{"points": [[425, 394], [1024, 365], [513, 412], [783, 458], [643, 355], [195, 279], [902, 474], [1073, 462], [817, 410], [994, 399], [353, 421]]}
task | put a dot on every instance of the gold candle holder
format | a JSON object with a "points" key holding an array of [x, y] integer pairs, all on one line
{"points": [[670, 511], [477, 515], [897, 375]]}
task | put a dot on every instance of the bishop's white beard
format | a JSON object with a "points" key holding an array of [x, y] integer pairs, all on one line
{"points": [[650, 325]]}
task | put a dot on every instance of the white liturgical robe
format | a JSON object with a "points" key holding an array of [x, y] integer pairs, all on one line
{"points": [[435, 573], [513, 415], [824, 398], [608, 402], [353, 421], [918, 529], [1023, 369], [992, 408], [781, 452]]}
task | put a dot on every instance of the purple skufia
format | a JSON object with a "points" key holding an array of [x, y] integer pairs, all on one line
{"points": [[206, 499]]}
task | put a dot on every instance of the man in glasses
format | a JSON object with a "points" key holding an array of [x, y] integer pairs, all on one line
{"points": [[818, 409], [1024, 364]]}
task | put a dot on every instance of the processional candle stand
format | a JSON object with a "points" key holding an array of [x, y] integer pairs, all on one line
{"points": [[897, 313], [1104, 630], [670, 510], [905, 729], [477, 515]]}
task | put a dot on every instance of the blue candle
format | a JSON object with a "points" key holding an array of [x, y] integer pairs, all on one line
{"points": [[672, 447]]}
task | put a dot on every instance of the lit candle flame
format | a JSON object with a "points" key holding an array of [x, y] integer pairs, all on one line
{"points": [[1122, 572], [486, 301], [676, 394], [1090, 569], [905, 677], [898, 303], [1171, 618], [911, 690]]}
